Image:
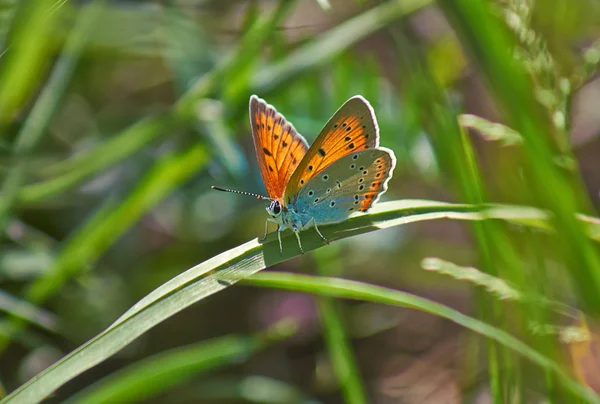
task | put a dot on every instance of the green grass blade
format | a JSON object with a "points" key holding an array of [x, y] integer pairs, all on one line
{"points": [[27, 311], [102, 230], [161, 372], [347, 289], [558, 191], [76, 169], [30, 44], [250, 389], [46, 105], [225, 269], [334, 42], [338, 344], [110, 222]]}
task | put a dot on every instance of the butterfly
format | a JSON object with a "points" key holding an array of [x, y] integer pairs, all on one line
{"points": [[342, 173]]}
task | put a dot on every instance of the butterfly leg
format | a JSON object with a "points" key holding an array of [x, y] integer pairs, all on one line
{"points": [[297, 233], [279, 230], [267, 229], [314, 222]]}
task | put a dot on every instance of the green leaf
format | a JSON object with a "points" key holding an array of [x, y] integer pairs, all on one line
{"points": [[240, 262]]}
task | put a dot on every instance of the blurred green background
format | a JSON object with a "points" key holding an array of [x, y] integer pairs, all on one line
{"points": [[116, 117]]}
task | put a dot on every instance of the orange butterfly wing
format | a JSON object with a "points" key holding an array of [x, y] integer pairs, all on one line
{"points": [[279, 148], [352, 128]]}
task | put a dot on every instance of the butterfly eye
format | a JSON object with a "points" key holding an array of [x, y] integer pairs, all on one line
{"points": [[276, 209]]}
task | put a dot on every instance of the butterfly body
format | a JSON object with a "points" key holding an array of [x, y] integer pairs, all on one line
{"points": [[342, 173]]}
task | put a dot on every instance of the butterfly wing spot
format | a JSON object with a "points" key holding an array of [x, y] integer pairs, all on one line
{"points": [[328, 190], [284, 144], [351, 145], [349, 128], [332, 204], [356, 197], [301, 182], [350, 210], [348, 138], [325, 177], [271, 168], [365, 172], [310, 168], [355, 157], [361, 187], [352, 166], [360, 180], [316, 200], [311, 193], [322, 152], [267, 152], [338, 184]]}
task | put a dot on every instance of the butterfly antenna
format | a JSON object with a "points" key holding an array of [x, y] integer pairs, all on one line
{"points": [[241, 192]]}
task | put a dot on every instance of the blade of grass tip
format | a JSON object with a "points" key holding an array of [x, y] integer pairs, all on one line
{"points": [[338, 345], [334, 41], [106, 226], [31, 43], [159, 373], [347, 289], [220, 272], [46, 105], [24, 310], [489, 42]]}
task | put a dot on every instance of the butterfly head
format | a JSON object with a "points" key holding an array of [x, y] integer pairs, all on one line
{"points": [[275, 209]]}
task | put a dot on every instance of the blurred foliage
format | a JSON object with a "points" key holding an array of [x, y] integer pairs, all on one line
{"points": [[116, 117]]}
